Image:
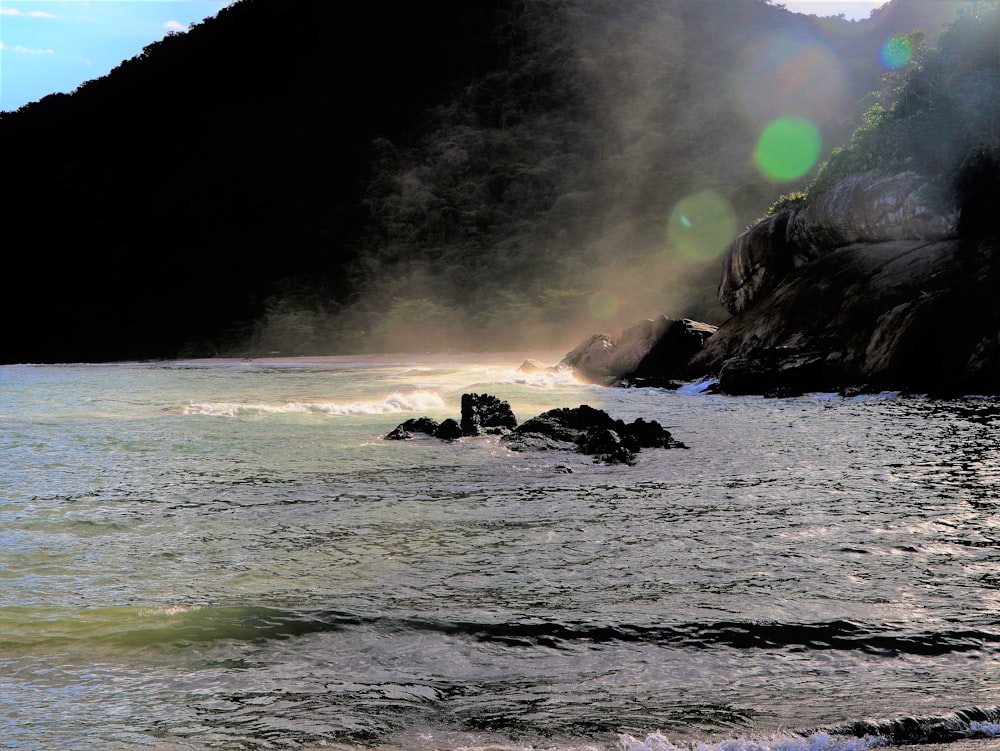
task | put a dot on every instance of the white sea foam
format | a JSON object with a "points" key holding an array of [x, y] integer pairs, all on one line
{"points": [[413, 401], [989, 729], [816, 742], [697, 387]]}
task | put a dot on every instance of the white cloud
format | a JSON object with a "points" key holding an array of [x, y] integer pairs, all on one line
{"points": [[31, 13], [175, 26], [25, 50]]}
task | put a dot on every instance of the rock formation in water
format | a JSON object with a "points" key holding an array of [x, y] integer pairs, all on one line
{"points": [[581, 429], [484, 414], [589, 431], [872, 286]]}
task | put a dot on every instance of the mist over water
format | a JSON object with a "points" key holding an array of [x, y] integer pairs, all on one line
{"points": [[226, 554], [592, 179]]}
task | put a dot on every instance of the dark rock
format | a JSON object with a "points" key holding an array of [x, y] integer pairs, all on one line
{"points": [[868, 208], [405, 430], [873, 208], [398, 434], [599, 441], [449, 430], [756, 262], [870, 287], [774, 371], [620, 455], [652, 352], [588, 431], [565, 425], [666, 363], [486, 414], [649, 434], [903, 315], [607, 446], [590, 360]]}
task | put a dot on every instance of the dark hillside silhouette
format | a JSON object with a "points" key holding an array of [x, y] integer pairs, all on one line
{"points": [[289, 177]]}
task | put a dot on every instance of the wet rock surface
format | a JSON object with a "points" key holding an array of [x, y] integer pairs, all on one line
{"points": [[582, 429], [405, 430], [903, 315], [866, 209], [589, 431], [653, 352], [484, 414]]}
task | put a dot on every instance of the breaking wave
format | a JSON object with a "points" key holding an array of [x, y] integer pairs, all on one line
{"points": [[815, 742], [969, 723], [413, 401]]}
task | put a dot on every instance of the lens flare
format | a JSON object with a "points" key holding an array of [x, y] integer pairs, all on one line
{"points": [[788, 148], [790, 72], [603, 305], [896, 52], [702, 225]]}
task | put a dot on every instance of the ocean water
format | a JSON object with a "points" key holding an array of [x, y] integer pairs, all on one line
{"points": [[227, 555]]}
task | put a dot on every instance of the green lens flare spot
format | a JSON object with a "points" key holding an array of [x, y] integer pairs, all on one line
{"points": [[788, 148], [702, 225], [896, 52]]}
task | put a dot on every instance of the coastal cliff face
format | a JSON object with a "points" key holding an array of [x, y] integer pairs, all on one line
{"points": [[654, 352], [867, 208], [870, 286]]}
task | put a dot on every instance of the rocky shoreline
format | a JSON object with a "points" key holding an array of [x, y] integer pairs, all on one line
{"points": [[874, 286]]}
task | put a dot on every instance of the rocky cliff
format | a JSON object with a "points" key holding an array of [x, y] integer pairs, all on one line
{"points": [[871, 287]]}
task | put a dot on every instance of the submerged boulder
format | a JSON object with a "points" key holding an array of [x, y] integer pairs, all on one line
{"points": [[405, 430]]}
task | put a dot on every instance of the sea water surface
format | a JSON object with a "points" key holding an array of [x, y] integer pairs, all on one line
{"points": [[227, 555]]}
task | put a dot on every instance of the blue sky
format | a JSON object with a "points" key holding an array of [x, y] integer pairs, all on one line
{"points": [[49, 46]]}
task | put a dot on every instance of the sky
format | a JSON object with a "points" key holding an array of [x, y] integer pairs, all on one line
{"points": [[52, 46]]}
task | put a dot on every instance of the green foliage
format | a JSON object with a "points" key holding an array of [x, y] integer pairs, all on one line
{"points": [[944, 106], [794, 200], [505, 171]]}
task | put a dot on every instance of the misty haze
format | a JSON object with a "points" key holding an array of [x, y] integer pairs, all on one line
{"points": [[615, 375]]}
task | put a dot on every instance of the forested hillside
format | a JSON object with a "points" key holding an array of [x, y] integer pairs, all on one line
{"points": [[428, 175]]}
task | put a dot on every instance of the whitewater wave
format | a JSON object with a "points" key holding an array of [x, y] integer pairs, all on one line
{"points": [[969, 723], [702, 386], [414, 401], [815, 742]]}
